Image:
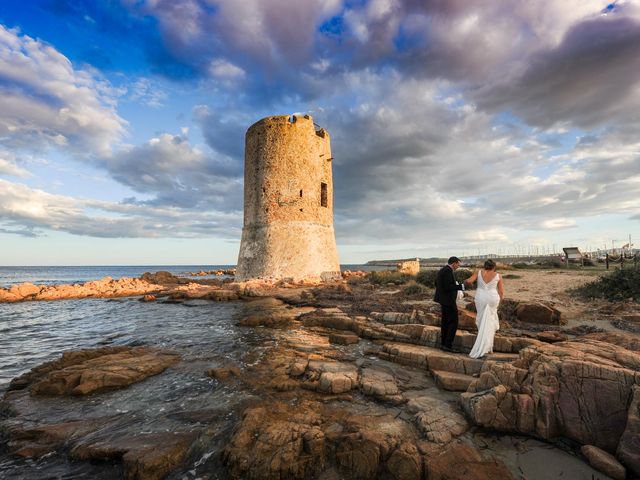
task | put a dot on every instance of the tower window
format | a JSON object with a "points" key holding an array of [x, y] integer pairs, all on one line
{"points": [[300, 193], [323, 194]]}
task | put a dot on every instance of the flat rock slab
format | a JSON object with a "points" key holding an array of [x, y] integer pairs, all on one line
{"points": [[94, 370], [464, 462], [331, 377], [343, 339], [454, 382], [438, 421], [144, 457]]}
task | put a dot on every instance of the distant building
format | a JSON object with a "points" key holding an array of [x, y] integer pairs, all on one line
{"points": [[288, 202]]}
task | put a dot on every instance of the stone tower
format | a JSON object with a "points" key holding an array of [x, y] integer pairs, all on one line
{"points": [[288, 202]]}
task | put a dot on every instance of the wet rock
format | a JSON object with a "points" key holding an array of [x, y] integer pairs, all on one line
{"points": [[464, 462], [580, 390], [604, 462], [438, 421], [223, 373], [144, 456], [629, 447], [267, 312], [533, 312], [342, 339], [149, 298], [94, 370], [38, 441]]}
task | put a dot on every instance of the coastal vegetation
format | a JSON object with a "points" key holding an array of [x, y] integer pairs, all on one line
{"points": [[619, 285]]}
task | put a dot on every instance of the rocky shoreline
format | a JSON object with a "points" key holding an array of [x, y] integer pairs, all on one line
{"points": [[355, 387]]}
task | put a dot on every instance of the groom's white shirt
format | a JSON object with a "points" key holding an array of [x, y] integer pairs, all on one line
{"points": [[457, 283]]}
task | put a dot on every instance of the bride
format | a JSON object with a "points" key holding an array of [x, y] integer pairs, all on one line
{"points": [[488, 295]]}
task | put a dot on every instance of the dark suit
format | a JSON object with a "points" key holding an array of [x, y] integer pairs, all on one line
{"points": [[446, 293]]}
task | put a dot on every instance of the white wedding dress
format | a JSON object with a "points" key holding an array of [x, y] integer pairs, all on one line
{"points": [[487, 301]]}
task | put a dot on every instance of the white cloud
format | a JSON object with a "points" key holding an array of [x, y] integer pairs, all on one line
{"points": [[45, 101], [28, 211]]}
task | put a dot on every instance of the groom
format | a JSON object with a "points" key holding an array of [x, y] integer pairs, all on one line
{"points": [[446, 293]]}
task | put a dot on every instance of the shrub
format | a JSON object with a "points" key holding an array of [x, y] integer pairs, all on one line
{"points": [[388, 276], [519, 265], [428, 277], [551, 263], [414, 288], [619, 285]]}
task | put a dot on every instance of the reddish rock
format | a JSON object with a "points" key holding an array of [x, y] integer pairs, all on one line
{"points": [[144, 457], [552, 336], [463, 462], [580, 390], [467, 320], [223, 373], [604, 462], [342, 339], [94, 370], [629, 447], [538, 313]]}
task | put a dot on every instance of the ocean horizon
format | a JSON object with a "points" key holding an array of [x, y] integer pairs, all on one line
{"points": [[57, 274]]}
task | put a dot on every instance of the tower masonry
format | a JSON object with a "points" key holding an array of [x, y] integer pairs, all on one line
{"points": [[288, 202]]}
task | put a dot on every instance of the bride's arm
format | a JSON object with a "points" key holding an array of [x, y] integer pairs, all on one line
{"points": [[469, 281], [500, 288]]}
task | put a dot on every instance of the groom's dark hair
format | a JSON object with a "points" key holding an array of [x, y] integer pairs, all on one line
{"points": [[453, 260]]}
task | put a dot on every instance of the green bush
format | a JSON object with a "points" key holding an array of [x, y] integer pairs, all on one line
{"points": [[389, 276], [519, 265], [428, 277], [618, 285], [414, 288]]}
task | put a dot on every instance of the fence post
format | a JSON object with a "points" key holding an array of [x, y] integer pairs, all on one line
{"points": [[606, 260]]}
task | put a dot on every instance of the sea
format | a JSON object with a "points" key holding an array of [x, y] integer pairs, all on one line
{"points": [[205, 334], [34, 332]]}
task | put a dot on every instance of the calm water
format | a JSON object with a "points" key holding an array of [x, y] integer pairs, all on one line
{"points": [[204, 333]]}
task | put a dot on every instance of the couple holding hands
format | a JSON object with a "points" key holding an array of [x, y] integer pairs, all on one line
{"points": [[488, 295]]}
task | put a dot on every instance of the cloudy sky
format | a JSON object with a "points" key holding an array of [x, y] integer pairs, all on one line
{"points": [[457, 126]]}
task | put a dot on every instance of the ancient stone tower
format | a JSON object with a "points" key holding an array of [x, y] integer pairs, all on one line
{"points": [[288, 202]]}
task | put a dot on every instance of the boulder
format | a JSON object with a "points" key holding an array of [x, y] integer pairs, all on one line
{"points": [[579, 390], [330, 377], [534, 312], [629, 447], [604, 462]]}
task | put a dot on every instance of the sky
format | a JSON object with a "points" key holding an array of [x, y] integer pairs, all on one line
{"points": [[457, 126]]}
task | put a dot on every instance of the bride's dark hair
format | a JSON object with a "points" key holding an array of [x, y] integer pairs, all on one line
{"points": [[489, 265]]}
